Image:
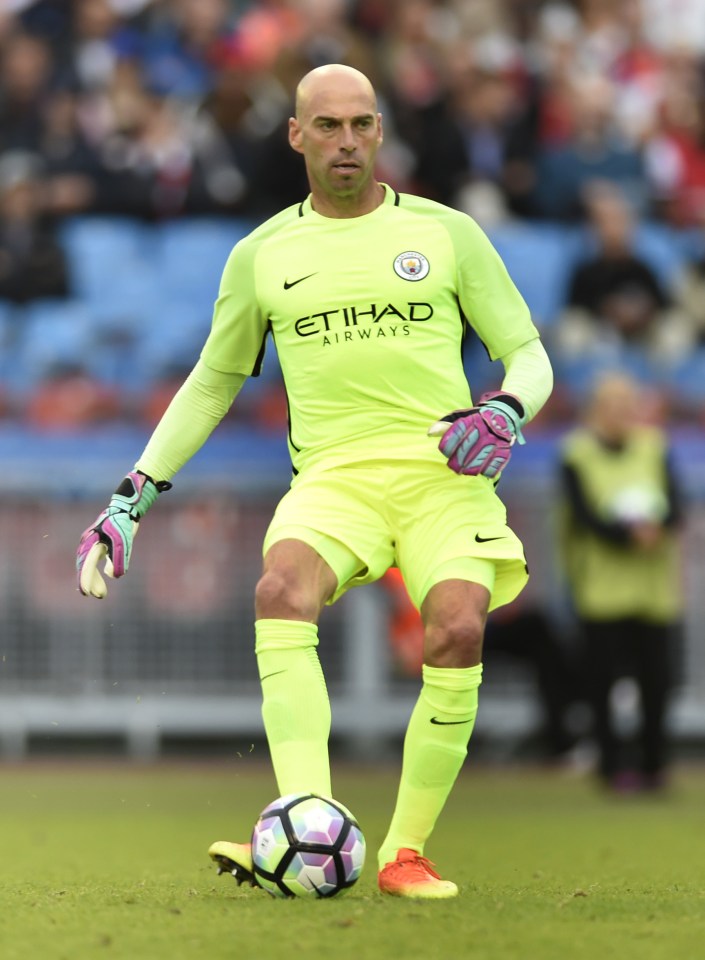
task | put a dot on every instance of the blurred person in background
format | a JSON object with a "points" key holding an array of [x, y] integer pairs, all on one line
{"points": [[250, 103], [464, 148], [99, 40], [365, 383], [689, 289], [161, 158], [179, 49], [75, 180], [596, 150], [325, 35], [32, 262], [675, 149], [620, 514], [26, 75], [675, 24], [637, 69], [618, 310]]}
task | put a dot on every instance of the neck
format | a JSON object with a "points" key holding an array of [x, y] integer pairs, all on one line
{"points": [[345, 208]]}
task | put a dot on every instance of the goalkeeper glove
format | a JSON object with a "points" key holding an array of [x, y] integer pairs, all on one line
{"points": [[479, 440], [111, 535]]}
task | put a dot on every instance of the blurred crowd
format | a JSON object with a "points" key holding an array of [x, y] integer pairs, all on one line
{"points": [[583, 116]]}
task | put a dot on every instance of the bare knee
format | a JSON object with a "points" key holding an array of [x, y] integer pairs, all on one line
{"points": [[280, 595], [454, 614], [454, 642], [295, 584]]}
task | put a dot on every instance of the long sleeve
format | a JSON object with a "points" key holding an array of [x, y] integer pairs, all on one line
{"points": [[197, 408], [529, 376]]}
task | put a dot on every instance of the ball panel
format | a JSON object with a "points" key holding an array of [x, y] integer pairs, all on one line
{"points": [[316, 821], [304, 845], [269, 843], [312, 873]]}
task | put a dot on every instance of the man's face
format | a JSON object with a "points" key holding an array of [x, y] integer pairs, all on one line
{"points": [[338, 131]]}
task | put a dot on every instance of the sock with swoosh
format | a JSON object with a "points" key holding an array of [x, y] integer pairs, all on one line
{"points": [[434, 750], [295, 705]]}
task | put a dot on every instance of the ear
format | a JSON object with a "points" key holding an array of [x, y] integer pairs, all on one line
{"points": [[295, 135], [380, 131]]}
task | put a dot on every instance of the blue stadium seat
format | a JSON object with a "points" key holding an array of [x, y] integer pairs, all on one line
{"points": [[539, 259], [104, 253], [7, 339], [173, 337], [7, 313], [688, 379], [191, 255], [663, 248], [134, 302], [51, 333]]}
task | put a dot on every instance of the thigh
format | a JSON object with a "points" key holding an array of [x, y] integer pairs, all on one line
{"points": [[337, 513], [450, 527]]}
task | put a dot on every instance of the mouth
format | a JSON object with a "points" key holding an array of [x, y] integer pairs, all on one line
{"points": [[346, 166]]}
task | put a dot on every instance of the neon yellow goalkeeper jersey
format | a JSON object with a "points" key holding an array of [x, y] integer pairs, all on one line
{"points": [[368, 317]]}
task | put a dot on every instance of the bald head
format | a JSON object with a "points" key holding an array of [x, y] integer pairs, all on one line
{"points": [[338, 130], [613, 408], [333, 81]]}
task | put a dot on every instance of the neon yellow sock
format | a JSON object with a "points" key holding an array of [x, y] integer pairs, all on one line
{"points": [[434, 750], [295, 705]]}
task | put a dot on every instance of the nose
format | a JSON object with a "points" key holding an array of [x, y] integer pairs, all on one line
{"points": [[347, 138]]}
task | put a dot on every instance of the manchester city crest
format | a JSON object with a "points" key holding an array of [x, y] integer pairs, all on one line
{"points": [[411, 265]]}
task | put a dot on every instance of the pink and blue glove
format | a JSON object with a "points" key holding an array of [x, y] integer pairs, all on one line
{"points": [[479, 441], [113, 532]]}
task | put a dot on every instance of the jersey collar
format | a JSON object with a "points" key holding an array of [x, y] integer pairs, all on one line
{"points": [[391, 199]]}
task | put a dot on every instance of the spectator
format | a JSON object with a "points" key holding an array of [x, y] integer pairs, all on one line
{"points": [[637, 71], [99, 40], [26, 68], [250, 110], [675, 152], [597, 150], [180, 50], [463, 150], [163, 158], [621, 512], [618, 310], [32, 263], [325, 35], [263, 32], [74, 177], [689, 293]]}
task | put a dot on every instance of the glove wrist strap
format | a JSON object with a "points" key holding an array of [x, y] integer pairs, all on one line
{"points": [[511, 407], [137, 493]]}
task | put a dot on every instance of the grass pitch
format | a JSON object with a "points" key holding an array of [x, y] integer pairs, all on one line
{"points": [[104, 861]]}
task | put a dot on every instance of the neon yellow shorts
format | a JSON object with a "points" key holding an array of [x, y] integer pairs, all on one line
{"points": [[431, 523]]}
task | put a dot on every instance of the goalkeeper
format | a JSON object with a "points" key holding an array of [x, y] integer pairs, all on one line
{"points": [[367, 295]]}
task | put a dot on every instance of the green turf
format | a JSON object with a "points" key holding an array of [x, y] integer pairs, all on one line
{"points": [[101, 861]]}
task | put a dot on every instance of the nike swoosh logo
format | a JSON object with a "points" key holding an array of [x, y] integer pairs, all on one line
{"points": [[288, 285], [268, 675], [447, 723], [480, 539]]}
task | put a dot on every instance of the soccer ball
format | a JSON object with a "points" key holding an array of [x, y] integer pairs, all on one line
{"points": [[304, 845]]}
